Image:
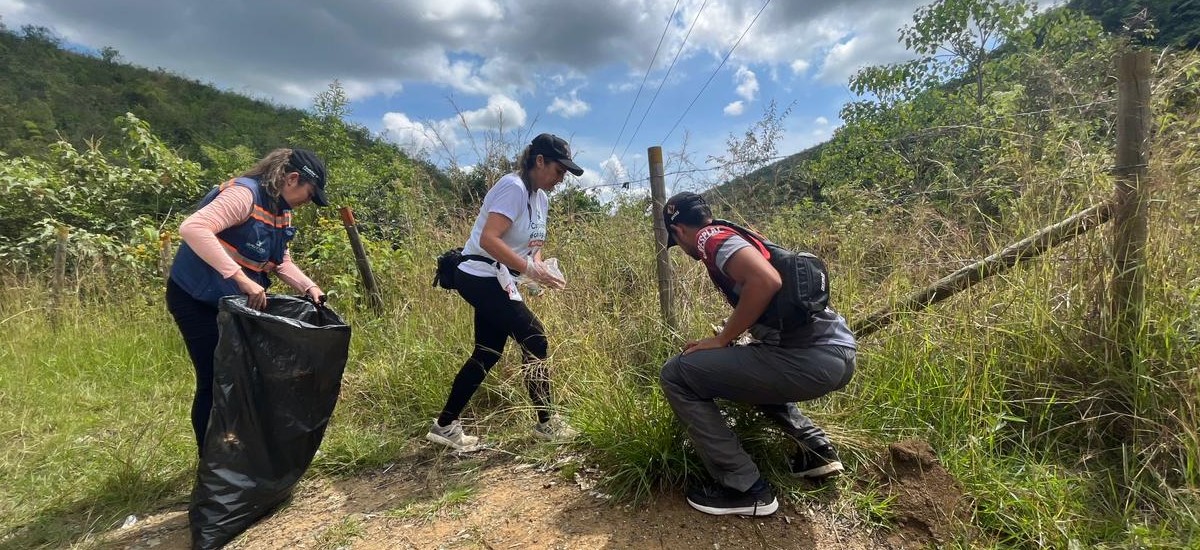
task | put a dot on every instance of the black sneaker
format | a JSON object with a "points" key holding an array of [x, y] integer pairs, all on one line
{"points": [[818, 463], [719, 500]]}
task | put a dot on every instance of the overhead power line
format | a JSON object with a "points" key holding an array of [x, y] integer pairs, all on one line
{"points": [[714, 73], [637, 96], [628, 183], [664, 79]]}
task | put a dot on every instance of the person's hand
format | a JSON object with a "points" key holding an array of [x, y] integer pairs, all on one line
{"points": [[540, 272], [316, 294], [256, 295], [707, 343]]}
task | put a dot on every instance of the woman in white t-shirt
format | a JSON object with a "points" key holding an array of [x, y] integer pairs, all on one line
{"points": [[505, 241]]}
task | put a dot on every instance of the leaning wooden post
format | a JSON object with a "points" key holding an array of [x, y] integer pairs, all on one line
{"points": [[666, 279], [360, 257], [1130, 222], [966, 277], [60, 275]]}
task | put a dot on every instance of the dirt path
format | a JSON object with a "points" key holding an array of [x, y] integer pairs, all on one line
{"points": [[498, 504]]}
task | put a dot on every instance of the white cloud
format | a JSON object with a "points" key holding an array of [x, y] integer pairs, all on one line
{"points": [[442, 138], [613, 171], [10, 8], [455, 10], [621, 87], [786, 31], [360, 89], [502, 53], [820, 130], [419, 138], [483, 47], [747, 83], [839, 64], [873, 41], [570, 107], [501, 113]]}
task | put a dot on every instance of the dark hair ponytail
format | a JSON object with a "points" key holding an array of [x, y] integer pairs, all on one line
{"points": [[525, 163]]}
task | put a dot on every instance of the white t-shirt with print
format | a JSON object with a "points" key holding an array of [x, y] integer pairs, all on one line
{"points": [[527, 232]]}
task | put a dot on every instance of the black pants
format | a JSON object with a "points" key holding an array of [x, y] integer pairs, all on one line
{"points": [[496, 319], [197, 322]]}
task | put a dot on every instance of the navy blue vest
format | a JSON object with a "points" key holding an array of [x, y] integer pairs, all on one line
{"points": [[257, 245]]}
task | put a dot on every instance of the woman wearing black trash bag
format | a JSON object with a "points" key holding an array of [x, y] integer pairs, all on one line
{"points": [[237, 237]]}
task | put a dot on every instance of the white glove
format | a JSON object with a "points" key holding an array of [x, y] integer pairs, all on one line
{"points": [[545, 273]]}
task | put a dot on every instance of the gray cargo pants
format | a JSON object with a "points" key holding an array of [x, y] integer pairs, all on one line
{"points": [[771, 377]]}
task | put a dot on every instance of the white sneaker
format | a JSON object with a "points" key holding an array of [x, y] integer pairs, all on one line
{"points": [[554, 429], [452, 436]]}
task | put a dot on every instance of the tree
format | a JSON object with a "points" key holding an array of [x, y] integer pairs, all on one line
{"points": [[110, 54], [1183, 24], [1177, 21], [752, 181], [573, 200], [372, 176], [953, 38], [37, 33], [757, 146]]}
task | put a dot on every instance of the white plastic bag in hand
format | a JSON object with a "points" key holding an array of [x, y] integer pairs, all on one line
{"points": [[539, 275], [508, 283]]}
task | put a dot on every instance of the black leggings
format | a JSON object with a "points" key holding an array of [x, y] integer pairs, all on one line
{"points": [[197, 322], [497, 318]]}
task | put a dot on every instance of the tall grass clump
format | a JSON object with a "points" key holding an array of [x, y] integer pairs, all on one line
{"points": [[94, 415]]}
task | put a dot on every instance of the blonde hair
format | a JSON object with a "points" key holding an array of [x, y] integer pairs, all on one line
{"points": [[271, 170]]}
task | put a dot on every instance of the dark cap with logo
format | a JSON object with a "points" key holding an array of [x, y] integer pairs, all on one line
{"points": [[311, 169], [685, 207], [555, 148]]}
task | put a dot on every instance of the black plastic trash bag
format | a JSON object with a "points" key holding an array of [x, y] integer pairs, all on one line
{"points": [[276, 378]]}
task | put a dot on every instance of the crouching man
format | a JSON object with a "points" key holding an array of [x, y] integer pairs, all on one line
{"points": [[797, 356]]}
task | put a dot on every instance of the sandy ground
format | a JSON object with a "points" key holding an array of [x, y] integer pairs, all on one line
{"points": [[436, 500]]}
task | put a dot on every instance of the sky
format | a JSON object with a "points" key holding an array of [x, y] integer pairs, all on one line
{"points": [[613, 77]]}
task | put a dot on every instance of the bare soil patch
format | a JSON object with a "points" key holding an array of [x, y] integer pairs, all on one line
{"points": [[929, 505], [436, 500]]}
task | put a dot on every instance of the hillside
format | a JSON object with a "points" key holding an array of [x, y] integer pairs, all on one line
{"points": [[49, 94], [47, 91], [1175, 20], [1173, 24], [775, 184]]}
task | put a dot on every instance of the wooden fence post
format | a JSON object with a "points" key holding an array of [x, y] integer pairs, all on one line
{"points": [[1130, 223], [164, 254], [60, 275], [666, 279], [360, 257]]}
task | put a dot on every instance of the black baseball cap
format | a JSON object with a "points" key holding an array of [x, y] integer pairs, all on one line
{"points": [[685, 207], [312, 169], [556, 149]]}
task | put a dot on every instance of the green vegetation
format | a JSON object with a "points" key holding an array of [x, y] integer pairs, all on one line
{"points": [[428, 508], [47, 92], [1174, 20], [1058, 444], [340, 535]]}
